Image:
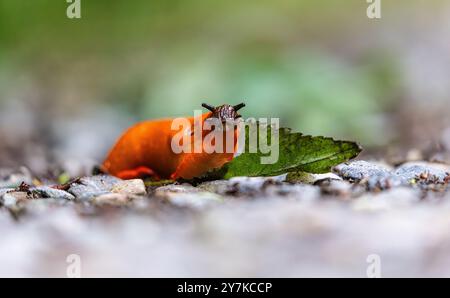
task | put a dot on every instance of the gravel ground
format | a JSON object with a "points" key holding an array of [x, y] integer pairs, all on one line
{"points": [[315, 225]]}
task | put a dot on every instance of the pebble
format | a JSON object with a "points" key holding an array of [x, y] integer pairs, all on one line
{"points": [[360, 169], [87, 188], [377, 177], [221, 187], [187, 196], [116, 199], [384, 181], [176, 188], [5, 190], [412, 170], [48, 192], [133, 187], [333, 187], [198, 200], [307, 178], [14, 201], [252, 186], [90, 187]]}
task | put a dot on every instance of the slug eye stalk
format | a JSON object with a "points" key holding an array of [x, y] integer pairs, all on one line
{"points": [[209, 107], [239, 106]]}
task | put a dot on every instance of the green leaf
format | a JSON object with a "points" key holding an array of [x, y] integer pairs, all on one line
{"points": [[297, 152], [63, 178]]}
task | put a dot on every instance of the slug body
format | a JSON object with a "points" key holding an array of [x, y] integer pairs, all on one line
{"points": [[145, 149]]}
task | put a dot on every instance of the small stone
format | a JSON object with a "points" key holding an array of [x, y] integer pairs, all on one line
{"points": [[14, 199], [414, 154], [376, 177], [217, 186], [360, 169], [93, 186], [199, 200], [384, 181], [48, 192], [253, 185], [5, 190], [175, 188], [410, 171], [325, 176], [300, 177], [116, 199], [338, 188], [134, 187], [184, 195]]}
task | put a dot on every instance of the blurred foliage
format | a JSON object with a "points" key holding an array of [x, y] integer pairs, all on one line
{"points": [[148, 59]]}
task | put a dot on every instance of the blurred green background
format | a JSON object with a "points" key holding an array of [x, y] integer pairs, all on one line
{"points": [[68, 87]]}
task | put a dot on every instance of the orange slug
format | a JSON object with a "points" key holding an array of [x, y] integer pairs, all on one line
{"points": [[145, 150]]}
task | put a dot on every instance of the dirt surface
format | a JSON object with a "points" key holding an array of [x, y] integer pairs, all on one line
{"points": [[319, 225]]}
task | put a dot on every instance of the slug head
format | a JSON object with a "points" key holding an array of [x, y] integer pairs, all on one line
{"points": [[224, 112]]}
